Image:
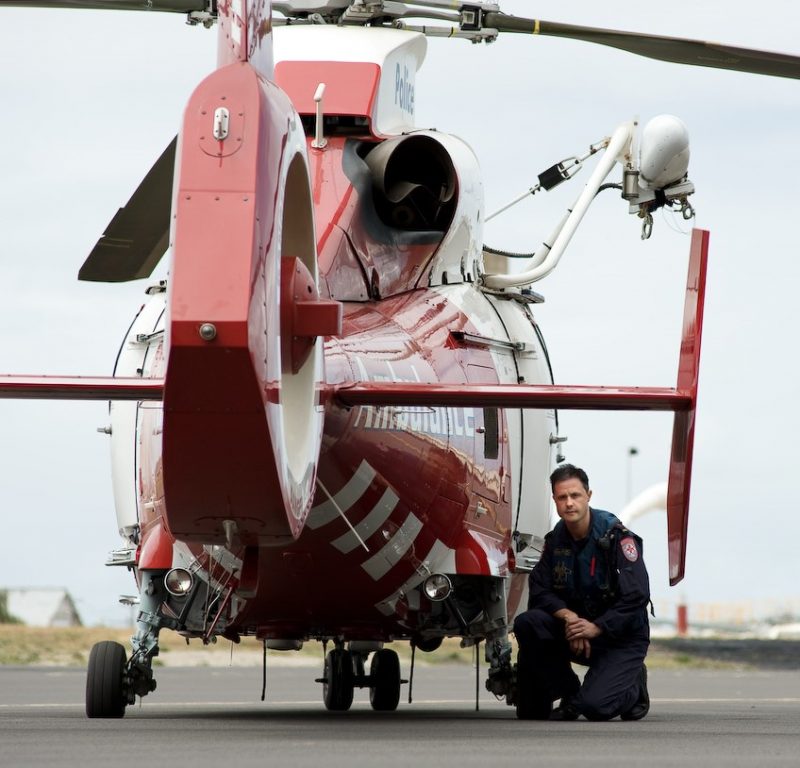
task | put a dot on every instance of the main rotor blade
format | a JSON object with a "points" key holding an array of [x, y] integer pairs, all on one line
{"points": [[674, 49], [173, 6], [137, 237]]}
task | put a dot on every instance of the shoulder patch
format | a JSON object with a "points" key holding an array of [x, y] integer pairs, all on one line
{"points": [[629, 549]]}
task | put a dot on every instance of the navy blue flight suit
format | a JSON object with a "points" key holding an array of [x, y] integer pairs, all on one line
{"points": [[601, 578]]}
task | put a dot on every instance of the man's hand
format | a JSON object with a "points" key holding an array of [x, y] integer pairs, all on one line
{"points": [[580, 648], [566, 615], [579, 632]]}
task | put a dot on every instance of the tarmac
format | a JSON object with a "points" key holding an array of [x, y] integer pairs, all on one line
{"points": [[708, 717]]}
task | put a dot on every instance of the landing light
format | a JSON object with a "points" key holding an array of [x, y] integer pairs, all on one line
{"points": [[437, 587], [178, 582]]}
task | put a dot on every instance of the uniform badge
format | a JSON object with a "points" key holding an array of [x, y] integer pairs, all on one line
{"points": [[560, 574], [629, 549]]}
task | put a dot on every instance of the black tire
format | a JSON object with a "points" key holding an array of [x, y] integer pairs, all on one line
{"points": [[105, 681], [384, 673], [337, 690], [533, 707], [532, 698]]}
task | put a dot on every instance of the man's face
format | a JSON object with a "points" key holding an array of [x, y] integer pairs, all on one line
{"points": [[572, 504]]}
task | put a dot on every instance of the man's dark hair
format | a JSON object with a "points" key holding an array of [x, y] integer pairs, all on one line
{"points": [[567, 472]]}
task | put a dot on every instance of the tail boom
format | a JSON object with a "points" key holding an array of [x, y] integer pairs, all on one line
{"points": [[224, 436]]}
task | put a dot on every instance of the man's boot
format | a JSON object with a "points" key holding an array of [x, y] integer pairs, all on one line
{"points": [[642, 705]]}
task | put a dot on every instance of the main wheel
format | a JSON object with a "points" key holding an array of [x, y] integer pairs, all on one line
{"points": [[532, 697], [105, 681], [337, 690], [384, 672]]}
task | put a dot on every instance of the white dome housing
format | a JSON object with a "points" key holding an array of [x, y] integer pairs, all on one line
{"points": [[664, 152]]}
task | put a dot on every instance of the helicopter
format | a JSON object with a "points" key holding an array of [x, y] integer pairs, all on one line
{"points": [[404, 388]]}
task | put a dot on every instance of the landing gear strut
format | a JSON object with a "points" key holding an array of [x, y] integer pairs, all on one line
{"points": [[502, 679]]}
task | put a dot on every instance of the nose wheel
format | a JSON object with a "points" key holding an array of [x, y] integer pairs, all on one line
{"points": [[384, 673], [338, 681], [344, 672], [106, 694]]}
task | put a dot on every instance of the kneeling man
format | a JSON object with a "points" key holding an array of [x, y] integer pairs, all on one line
{"points": [[588, 604]]}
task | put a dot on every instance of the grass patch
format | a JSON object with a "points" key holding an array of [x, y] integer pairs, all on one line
{"points": [[70, 646], [22, 646]]}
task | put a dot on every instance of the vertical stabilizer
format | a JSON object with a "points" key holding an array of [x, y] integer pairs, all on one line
{"points": [[680, 468], [245, 34]]}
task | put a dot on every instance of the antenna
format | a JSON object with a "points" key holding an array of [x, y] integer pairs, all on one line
{"points": [[319, 140]]}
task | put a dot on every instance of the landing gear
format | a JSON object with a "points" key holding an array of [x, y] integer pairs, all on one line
{"points": [[502, 679], [338, 681], [344, 672], [113, 681], [384, 690], [106, 694]]}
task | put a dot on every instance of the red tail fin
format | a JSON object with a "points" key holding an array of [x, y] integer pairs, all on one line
{"points": [[245, 34], [680, 470]]}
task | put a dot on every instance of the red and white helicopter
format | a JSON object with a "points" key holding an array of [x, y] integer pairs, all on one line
{"points": [[337, 418]]}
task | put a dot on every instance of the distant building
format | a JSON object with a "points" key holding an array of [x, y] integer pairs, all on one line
{"points": [[42, 607]]}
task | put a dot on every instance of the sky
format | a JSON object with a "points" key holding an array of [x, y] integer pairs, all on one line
{"points": [[90, 99]]}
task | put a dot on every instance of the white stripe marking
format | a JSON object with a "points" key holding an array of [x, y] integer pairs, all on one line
{"points": [[428, 566], [354, 489], [374, 520], [382, 562], [342, 514]]}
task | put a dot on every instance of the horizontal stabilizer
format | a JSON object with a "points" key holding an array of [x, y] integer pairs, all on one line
{"points": [[138, 236], [387, 393], [80, 388]]}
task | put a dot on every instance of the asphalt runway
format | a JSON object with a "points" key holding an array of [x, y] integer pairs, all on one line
{"points": [[214, 716]]}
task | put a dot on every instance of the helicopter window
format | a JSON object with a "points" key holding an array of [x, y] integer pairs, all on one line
{"points": [[491, 434]]}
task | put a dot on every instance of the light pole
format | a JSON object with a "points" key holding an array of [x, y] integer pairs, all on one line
{"points": [[632, 451]]}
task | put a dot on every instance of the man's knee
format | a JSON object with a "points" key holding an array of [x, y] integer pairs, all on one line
{"points": [[597, 704], [534, 624]]}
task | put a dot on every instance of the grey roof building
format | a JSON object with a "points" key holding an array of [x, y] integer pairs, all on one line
{"points": [[42, 607]]}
